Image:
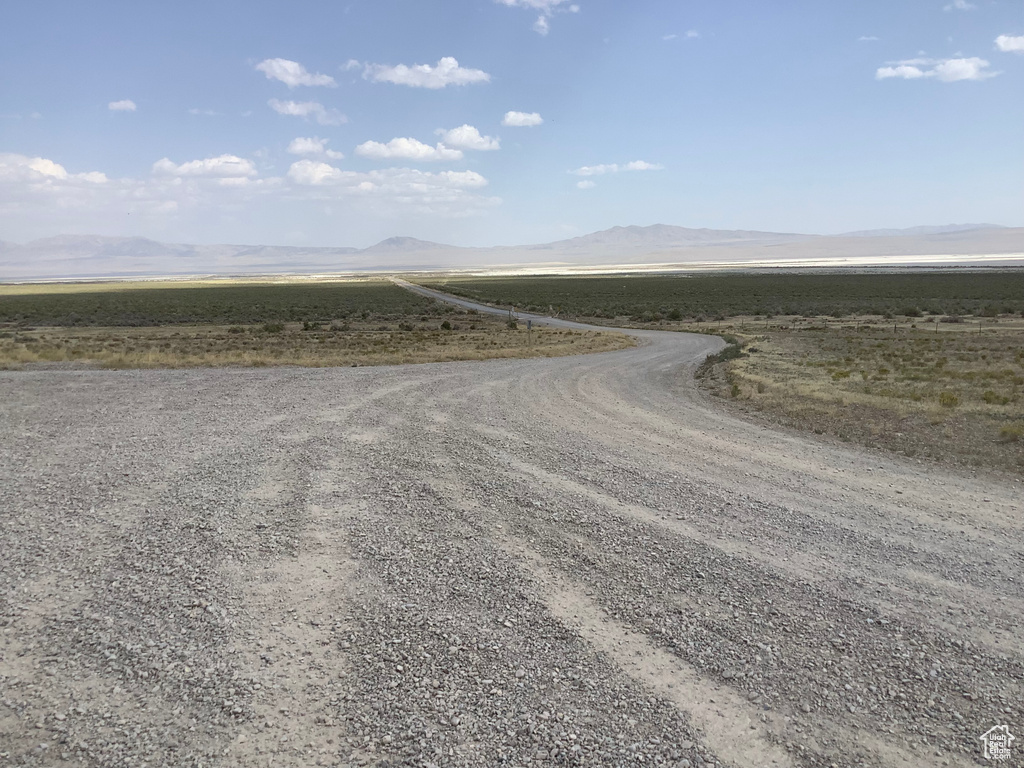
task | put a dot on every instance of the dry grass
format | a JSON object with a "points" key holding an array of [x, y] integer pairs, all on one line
{"points": [[369, 343], [953, 392]]}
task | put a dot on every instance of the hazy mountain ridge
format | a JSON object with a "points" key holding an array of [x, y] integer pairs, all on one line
{"points": [[85, 256], [944, 229], [665, 235]]}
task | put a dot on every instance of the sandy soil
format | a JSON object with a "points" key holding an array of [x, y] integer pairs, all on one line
{"points": [[575, 561]]}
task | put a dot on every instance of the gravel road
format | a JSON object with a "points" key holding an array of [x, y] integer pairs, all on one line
{"points": [[571, 561]]}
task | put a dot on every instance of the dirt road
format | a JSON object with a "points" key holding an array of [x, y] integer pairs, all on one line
{"points": [[572, 561]]}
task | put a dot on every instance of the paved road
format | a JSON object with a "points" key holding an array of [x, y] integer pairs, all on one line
{"points": [[569, 561]]}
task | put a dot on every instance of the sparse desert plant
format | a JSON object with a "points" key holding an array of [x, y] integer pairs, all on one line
{"points": [[446, 326], [273, 327], [1012, 433], [949, 399]]}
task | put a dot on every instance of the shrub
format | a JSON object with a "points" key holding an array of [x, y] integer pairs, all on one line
{"points": [[236, 329], [1012, 433], [273, 327], [949, 399], [735, 391], [446, 326], [675, 314]]}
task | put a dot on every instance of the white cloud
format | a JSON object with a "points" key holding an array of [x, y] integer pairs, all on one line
{"points": [[601, 170], [521, 119], [960, 5], [867, 39], [585, 184], [1010, 44], [312, 145], [309, 110], [40, 170], [467, 137], [124, 105], [44, 194], [669, 37], [207, 112], [407, 149], [546, 7], [446, 72], [944, 70], [292, 74], [905, 71], [351, 64], [314, 173], [222, 167], [692, 34]]}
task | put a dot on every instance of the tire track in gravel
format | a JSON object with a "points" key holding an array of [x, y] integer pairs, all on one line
{"points": [[157, 525]]}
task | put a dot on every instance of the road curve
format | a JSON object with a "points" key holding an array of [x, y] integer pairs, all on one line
{"points": [[570, 561]]}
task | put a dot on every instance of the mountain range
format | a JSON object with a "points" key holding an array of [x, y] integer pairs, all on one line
{"points": [[95, 256]]}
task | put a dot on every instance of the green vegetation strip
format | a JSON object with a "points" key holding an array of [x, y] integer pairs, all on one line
{"points": [[651, 298], [128, 304]]}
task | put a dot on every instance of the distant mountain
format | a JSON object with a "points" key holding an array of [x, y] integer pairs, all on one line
{"points": [[660, 236], [944, 229], [94, 256], [393, 244]]}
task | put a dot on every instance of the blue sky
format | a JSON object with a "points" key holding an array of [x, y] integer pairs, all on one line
{"points": [[313, 123]]}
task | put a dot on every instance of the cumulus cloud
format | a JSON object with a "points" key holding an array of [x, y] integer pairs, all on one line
{"points": [[124, 105], [44, 192], [310, 110], [407, 149], [521, 119], [601, 170], [585, 184], [40, 170], [1010, 44], [547, 8], [446, 72], [960, 5], [944, 70], [467, 137], [221, 167], [312, 145], [389, 191], [292, 74], [314, 173]]}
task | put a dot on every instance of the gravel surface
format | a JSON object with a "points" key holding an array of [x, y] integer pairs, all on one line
{"points": [[575, 561]]}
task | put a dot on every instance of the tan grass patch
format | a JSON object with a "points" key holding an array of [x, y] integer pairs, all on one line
{"points": [[953, 392], [324, 345]]}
